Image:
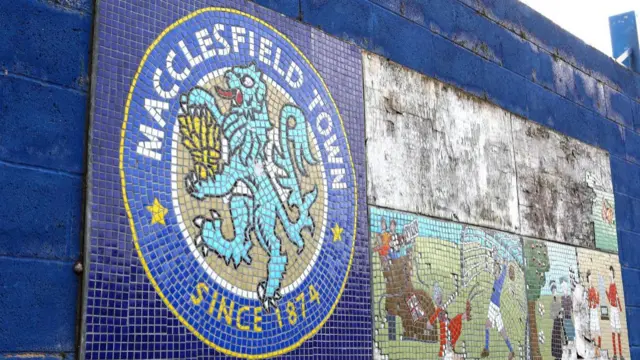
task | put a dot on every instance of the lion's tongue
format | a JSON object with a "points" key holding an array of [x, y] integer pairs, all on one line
{"points": [[227, 94], [230, 94]]}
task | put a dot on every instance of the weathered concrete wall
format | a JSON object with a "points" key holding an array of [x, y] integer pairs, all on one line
{"points": [[44, 68], [434, 150], [555, 198]]}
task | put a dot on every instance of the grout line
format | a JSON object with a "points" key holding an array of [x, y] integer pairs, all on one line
{"points": [[42, 169], [36, 258], [44, 83]]}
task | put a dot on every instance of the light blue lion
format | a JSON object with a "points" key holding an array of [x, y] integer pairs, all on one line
{"points": [[244, 179]]}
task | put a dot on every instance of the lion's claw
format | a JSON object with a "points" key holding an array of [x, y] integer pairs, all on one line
{"points": [[201, 246], [211, 238], [268, 302]]}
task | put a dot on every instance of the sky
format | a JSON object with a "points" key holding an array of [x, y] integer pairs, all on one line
{"points": [[586, 19]]}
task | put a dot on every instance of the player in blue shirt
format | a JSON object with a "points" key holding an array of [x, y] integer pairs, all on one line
{"points": [[494, 316]]}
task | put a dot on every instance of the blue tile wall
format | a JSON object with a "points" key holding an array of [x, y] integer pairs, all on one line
{"points": [[618, 107], [632, 146], [635, 109], [627, 212], [517, 17], [44, 79], [626, 177], [500, 50], [633, 315], [39, 356], [46, 218], [631, 278], [45, 125], [38, 311], [288, 8], [629, 249], [51, 44]]}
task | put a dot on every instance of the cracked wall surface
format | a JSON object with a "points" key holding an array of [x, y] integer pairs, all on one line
{"points": [[555, 190], [435, 150]]}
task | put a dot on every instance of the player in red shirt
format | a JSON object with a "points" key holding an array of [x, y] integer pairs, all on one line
{"points": [[384, 239], [452, 326], [594, 303], [614, 313]]}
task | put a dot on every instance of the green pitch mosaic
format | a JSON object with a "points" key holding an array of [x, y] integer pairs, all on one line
{"points": [[445, 290]]}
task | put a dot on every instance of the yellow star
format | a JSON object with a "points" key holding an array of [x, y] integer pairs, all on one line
{"points": [[337, 232], [157, 212]]}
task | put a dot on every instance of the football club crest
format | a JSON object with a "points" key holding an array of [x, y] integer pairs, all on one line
{"points": [[238, 183]]}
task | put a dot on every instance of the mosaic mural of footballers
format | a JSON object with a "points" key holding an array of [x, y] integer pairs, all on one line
{"points": [[551, 275], [445, 290], [603, 326], [574, 302]]}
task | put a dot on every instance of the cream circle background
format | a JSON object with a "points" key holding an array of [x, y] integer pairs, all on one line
{"points": [[244, 279]]}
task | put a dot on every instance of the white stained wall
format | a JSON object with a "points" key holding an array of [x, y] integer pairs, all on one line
{"points": [[436, 151]]}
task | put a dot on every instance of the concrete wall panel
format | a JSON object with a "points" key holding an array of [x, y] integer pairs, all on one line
{"points": [[45, 125], [38, 223], [44, 79], [436, 151], [38, 306], [562, 186], [51, 43]]}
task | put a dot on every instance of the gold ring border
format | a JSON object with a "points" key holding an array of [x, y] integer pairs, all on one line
{"points": [[128, 209]]}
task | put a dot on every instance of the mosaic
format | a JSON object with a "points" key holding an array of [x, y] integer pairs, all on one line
{"points": [[239, 186], [574, 294], [601, 327], [552, 276], [603, 211], [445, 290]]}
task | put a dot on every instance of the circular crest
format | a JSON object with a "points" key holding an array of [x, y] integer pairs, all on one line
{"points": [[238, 183]]}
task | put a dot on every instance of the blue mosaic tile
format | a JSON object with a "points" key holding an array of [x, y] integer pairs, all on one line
{"points": [[227, 206]]}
